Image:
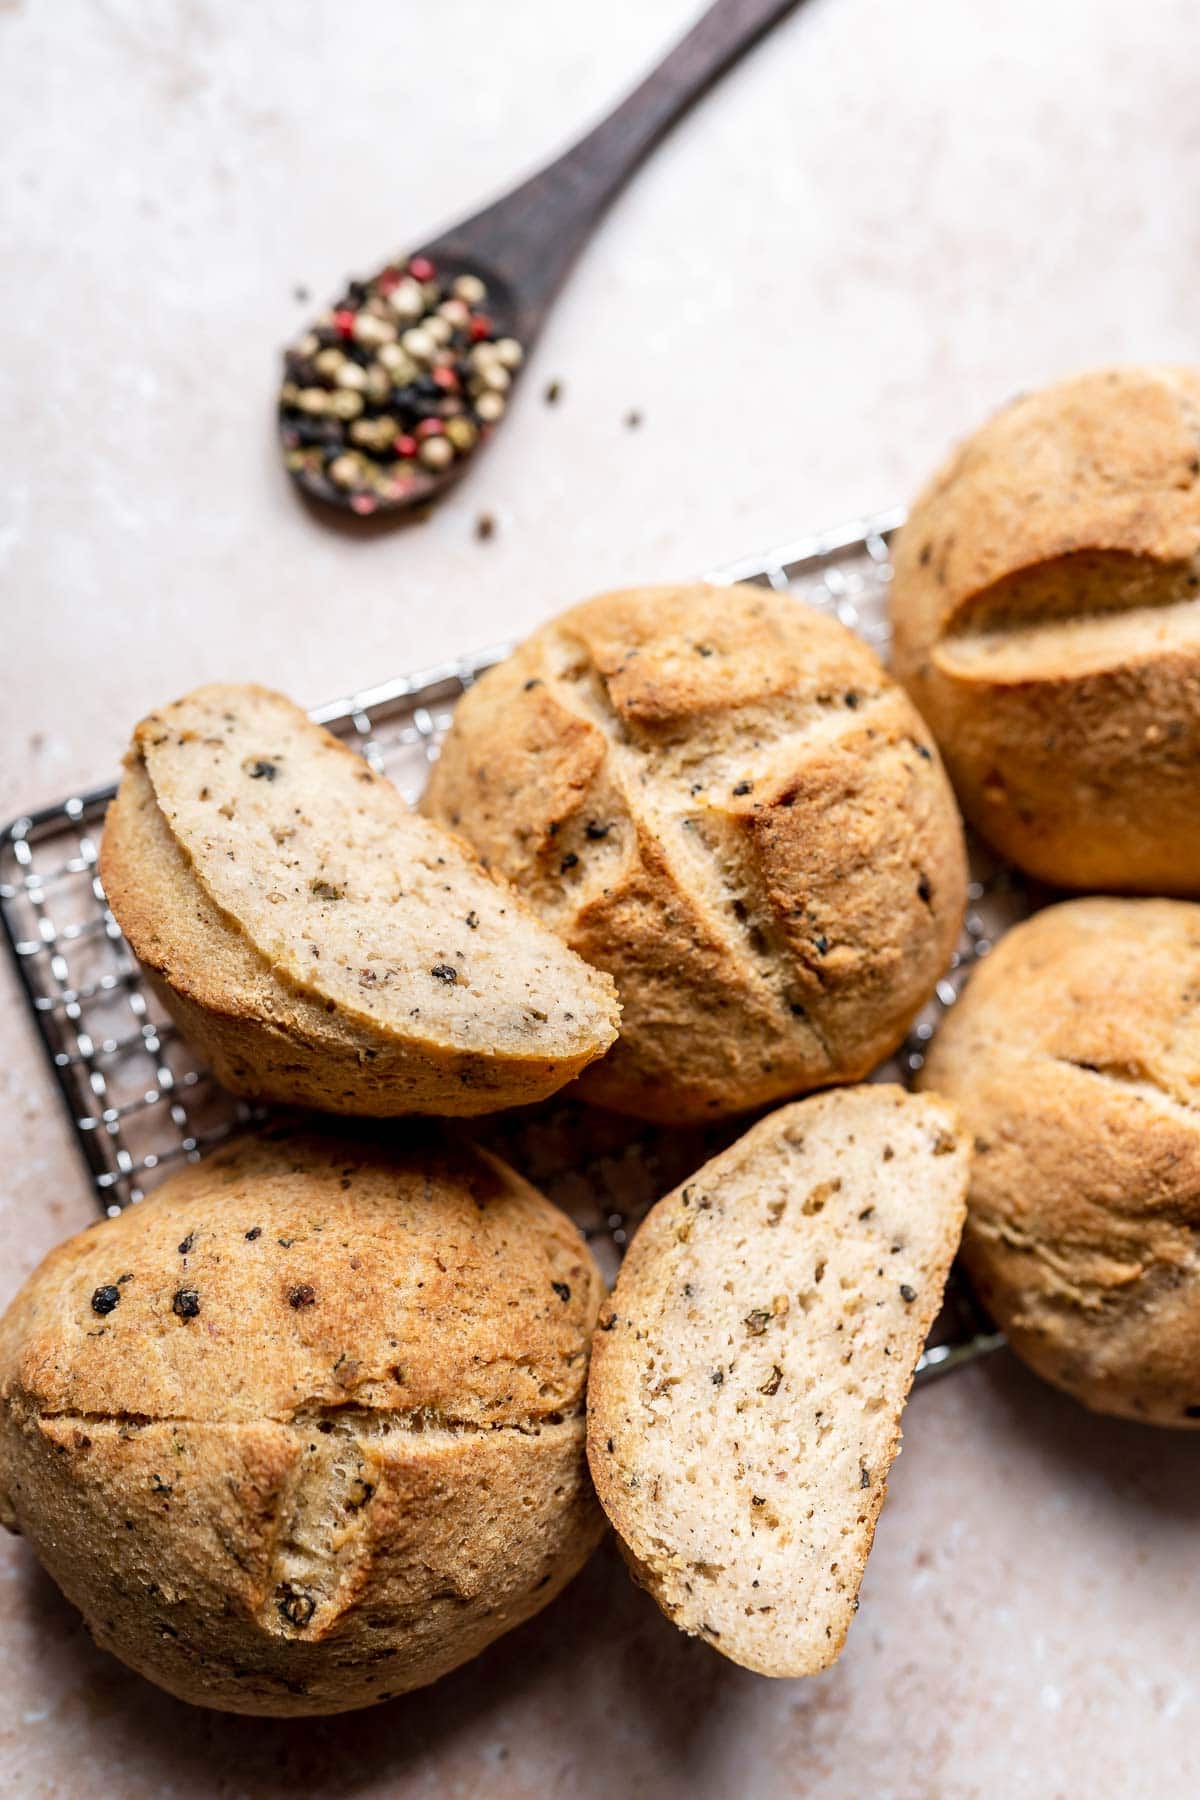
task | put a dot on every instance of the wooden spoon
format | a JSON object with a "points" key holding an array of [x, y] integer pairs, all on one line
{"points": [[389, 396]]}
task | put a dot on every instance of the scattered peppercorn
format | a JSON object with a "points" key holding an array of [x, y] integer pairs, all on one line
{"points": [[188, 1244], [104, 1299], [907, 1293], [743, 787], [186, 1304], [261, 770], [594, 831], [569, 861], [562, 1290], [924, 891], [393, 386], [255, 1231], [485, 526], [553, 393], [472, 921], [304, 1295], [445, 972]]}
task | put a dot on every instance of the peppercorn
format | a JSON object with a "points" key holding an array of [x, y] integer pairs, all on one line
{"points": [[437, 453], [407, 356], [104, 1299], [186, 1303]]}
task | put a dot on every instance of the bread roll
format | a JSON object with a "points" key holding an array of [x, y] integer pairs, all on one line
{"points": [[749, 1372], [1074, 1056], [1046, 612], [321, 944], [719, 796], [304, 1429]]}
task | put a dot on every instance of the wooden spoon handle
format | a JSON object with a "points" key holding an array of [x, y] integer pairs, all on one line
{"points": [[530, 237]]}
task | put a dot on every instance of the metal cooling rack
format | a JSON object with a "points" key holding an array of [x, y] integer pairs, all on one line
{"points": [[140, 1102]]}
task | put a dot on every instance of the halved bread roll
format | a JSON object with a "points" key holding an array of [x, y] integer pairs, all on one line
{"points": [[749, 1372], [320, 943]]}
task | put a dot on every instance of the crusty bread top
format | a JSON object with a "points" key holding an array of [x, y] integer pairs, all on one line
{"points": [[1074, 1054], [350, 897], [720, 796], [749, 1372], [290, 1271], [1042, 541]]}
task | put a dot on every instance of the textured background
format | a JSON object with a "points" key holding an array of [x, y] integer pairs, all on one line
{"points": [[888, 221]]}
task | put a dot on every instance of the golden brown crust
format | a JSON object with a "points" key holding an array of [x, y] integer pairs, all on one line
{"points": [[718, 796], [327, 1440], [269, 1035], [1074, 1055], [1046, 617]]}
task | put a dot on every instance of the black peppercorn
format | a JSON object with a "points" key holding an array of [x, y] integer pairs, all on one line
{"points": [[304, 1295], [445, 972], [297, 1608], [562, 1290], [186, 1303], [104, 1299]]}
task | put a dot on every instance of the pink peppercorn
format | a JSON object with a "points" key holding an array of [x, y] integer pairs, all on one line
{"points": [[421, 269], [344, 321], [430, 428]]}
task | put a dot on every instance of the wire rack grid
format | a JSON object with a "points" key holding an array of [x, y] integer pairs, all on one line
{"points": [[140, 1102]]}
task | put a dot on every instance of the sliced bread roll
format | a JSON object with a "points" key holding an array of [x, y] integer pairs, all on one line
{"points": [[749, 1372], [321, 944]]}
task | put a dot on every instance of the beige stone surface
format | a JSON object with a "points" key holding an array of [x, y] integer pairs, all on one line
{"points": [[888, 221]]}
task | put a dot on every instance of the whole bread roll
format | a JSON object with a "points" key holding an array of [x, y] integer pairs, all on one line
{"points": [[305, 1429], [720, 797], [320, 943], [1046, 615], [1074, 1057]]}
